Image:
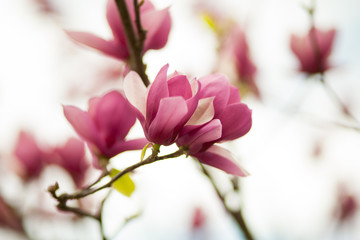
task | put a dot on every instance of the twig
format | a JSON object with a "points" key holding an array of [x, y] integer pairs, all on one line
{"points": [[135, 49], [63, 198], [237, 215]]}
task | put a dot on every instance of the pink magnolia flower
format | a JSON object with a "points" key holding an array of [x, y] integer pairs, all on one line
{"points": [[105, 125], [232, 119], [244, 66], [166, 106], [313, 50], [30, 156], [156, 23], [71, 157]]}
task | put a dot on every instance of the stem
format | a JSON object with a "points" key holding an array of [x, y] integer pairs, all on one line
{"points": [[63, 198], [237, 215], [342, 105], [133, 42]]}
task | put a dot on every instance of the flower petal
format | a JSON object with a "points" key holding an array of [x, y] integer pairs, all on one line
{"points": [[203, 113], [236, 121], [196, 139], [222, 159], [179, 85], [108, 47], [168, 121], [157, 91], [135, 92], [83, 124], [123, 146], [157, 23], [114, 117], [216, 85]]}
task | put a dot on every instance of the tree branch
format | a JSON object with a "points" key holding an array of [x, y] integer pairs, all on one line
{"points": [[135, 49], [237, 215]]}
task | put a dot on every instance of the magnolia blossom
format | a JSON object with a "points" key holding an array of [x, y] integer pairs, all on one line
{"points": [[165, 107], [231, 120], [71, 157], [156, 23], [313, 50], [105, 125], [244, 66], [31, 157]]}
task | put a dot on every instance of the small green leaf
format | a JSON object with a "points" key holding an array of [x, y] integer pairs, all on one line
{"points": [[124, 185]]}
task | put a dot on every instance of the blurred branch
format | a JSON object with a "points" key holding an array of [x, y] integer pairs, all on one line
{"points": [[63, 198], [134, 43], [236, 214]]}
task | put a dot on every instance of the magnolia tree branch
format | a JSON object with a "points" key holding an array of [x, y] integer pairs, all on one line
{"points": [[134, 42], [63, 198], [236, 214]]}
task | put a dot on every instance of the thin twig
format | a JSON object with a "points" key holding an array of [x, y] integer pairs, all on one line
{"points": [[136, 61], [63, 198], [237, 215]]}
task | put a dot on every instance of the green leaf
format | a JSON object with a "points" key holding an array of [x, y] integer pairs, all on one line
{"points": [[124, 185]]}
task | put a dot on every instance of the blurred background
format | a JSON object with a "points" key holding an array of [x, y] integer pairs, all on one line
{"points": [[303, 152]]}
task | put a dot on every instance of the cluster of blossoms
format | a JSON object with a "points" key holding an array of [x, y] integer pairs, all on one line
{"points": [[32, 158], [193, 114]]}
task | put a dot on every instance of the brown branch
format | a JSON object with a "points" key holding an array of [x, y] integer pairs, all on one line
{"points": [[63, 198], [136, 61], [237, 215]]}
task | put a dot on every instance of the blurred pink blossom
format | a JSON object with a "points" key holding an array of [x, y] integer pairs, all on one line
{"points": [[105, 125], [156, 23], [30, 156], [313, 50], [71, 157], [198, 218], [237, 46], [347, 204]]}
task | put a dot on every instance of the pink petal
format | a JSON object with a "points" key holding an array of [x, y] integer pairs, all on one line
{"points": [[195, 139], [236, 121], [179, 86], [157, 91], [203, 113], [135, 92], [83, 124], [157, 24], [167, 122], [110, 48], [123, 146], [115, 23], [234, 95], [30, 156], [114, 117], [216, 85], [222, 159]]}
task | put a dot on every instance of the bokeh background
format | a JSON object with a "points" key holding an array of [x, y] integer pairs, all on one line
{"points": [[300, 151]]}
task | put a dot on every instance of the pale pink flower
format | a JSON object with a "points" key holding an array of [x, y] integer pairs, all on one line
{"points": [[166, 106], [156, 23], [105, 125], [71, 157], [313, 50], [231, 120], [31, 157]]}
